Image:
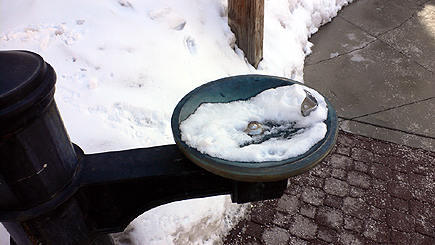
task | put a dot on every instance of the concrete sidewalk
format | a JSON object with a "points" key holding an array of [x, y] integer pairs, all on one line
{"points": [[376, 63]]}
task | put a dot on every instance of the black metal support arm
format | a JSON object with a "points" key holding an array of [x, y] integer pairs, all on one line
{"points": [[111, 189], [133, 181]]}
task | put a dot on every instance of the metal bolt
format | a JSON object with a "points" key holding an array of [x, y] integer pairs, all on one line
{"points": [[254, 128]]}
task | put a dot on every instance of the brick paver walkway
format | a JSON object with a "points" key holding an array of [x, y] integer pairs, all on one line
{"points": [[365, 192]]}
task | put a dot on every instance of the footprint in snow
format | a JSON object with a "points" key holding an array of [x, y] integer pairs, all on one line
{"points": [[135, 116], [141, 124], [125, 3], [190, 44], [174, 20]]}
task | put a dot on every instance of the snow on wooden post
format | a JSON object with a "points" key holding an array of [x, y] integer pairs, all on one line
{"points": [[246, 20]]}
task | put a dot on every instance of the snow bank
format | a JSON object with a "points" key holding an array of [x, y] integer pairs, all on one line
{"points": [[122, 66]]}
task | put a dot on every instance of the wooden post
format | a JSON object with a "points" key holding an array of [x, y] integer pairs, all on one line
{"points": [[246, 20]]}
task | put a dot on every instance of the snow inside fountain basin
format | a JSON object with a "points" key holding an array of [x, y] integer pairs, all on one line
{"points": [[217, 129]]}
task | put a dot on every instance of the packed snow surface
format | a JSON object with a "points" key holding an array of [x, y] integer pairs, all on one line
{"points": [[218, 129], [123, 65]]}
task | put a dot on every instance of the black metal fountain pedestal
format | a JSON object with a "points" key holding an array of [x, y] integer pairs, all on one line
{"points": [[53, 193]]}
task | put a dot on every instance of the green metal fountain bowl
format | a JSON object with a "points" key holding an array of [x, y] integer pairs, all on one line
{"points": [[242, 88]]}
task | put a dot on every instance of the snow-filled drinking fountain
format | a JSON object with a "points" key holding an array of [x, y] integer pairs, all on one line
{"points": [[254, 127], [53, 193]]}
